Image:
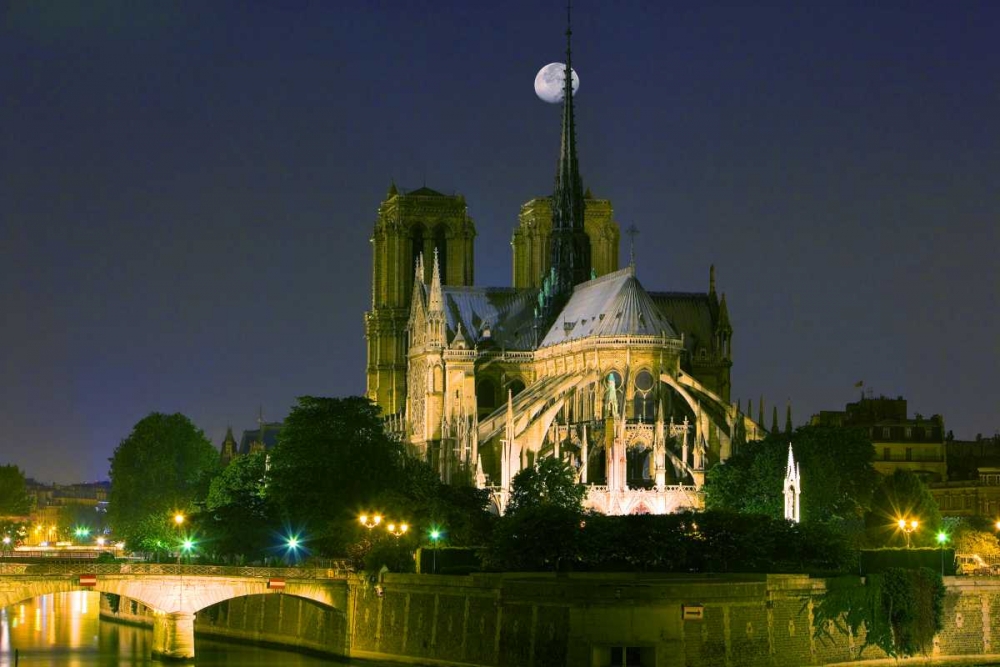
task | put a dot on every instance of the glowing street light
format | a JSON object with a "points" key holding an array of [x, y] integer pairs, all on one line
{"points": [[908, 526], [397, 531], [942, 539], [179, 519], [370, 522], [435, 535]]}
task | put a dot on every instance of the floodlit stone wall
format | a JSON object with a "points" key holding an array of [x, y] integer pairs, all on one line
{"points": [[544, 620]]}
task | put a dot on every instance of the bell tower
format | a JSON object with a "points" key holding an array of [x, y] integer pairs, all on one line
{"points": [[409, 225]]}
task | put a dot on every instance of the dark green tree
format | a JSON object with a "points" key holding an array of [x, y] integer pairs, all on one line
{"points": [[902, 495], [238, 517], [164, 466], [549, 483], [14, 500], [332, 461], [837, 473]]}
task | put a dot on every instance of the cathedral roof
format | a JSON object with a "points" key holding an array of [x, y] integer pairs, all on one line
{"points": [[271, 430], [506, 314], [425, 192], [613, 305], [690, 312]]}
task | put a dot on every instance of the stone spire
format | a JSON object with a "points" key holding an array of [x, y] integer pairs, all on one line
{"points": [[570, 245], [435, 302], [792, 488]]}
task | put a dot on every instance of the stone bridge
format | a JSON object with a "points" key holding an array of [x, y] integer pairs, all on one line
{"points": [[174, 592]]}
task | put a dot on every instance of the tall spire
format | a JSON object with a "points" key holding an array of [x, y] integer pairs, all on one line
{"points": [[569, 242]]}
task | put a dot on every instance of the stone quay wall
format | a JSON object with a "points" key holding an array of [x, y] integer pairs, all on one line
{"points": [[578, 620]]}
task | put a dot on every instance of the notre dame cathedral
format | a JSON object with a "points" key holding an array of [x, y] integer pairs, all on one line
{"points": [[576, 360]]}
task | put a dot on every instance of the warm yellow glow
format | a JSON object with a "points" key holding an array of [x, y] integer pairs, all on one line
{"points": [[913, 524], [363, 518], [404, 527], [377, 519], [100, 541], [178, 518], [902, 523]]}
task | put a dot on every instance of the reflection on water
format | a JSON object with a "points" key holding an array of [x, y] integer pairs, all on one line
{"points": [[65, 630]]}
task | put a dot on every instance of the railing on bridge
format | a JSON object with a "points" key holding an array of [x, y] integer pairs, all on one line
{"points": [[336, 570]]}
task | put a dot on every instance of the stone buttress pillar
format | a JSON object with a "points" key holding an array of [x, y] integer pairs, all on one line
{"points": [[173, 635]]}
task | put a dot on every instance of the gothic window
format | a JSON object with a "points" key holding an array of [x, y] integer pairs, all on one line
{"points": [[417, 246], [644, 401], [516, 387], [486, 395], [438, 381]]}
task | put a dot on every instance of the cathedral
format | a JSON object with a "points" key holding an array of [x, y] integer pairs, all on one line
{"points": [[576, 360]]}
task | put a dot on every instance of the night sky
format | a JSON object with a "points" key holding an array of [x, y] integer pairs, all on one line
{"points": [[187, 190]]}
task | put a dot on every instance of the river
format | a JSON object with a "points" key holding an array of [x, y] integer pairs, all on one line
{"points": [[65, 630]]}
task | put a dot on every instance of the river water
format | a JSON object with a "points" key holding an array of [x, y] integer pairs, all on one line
{"points": [[65, 630]]}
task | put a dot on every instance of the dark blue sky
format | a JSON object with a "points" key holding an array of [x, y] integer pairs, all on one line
{"points": [[187, 190]]}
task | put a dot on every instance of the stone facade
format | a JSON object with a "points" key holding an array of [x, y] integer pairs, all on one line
{"points": [[544, 620]]}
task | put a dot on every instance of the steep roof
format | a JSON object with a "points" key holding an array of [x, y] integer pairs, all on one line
{"points": [[507, 313], [690, 312], [613, 305], [271, 430]]}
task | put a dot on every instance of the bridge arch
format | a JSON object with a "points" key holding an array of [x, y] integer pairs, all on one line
{"points": [[174, 598]]}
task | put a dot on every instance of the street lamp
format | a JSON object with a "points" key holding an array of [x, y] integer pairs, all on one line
{"points": [[907, 527], [187, 545], [370, 522], [942, 539], [397, 531], [435, 535]]}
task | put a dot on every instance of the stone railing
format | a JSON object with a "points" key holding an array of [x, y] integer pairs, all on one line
{"points": [[337, 570]]}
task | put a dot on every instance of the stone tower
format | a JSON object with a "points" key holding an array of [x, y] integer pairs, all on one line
{"points": [[530, 242], [409, 225]]}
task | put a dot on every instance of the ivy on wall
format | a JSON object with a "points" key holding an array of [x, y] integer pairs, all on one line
{"points": [[898, 611]]}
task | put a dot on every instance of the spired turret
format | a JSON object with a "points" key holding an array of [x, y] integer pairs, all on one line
{"points": [[570, 245]]}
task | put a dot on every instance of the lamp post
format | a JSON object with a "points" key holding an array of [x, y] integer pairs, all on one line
{"points": [[908, 527], [435, 536], [397, 531], [942, 539], [370, 522], [179, 519]]}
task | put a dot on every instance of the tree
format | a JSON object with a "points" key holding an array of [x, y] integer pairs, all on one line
{"points": [[838, 478], [902, 495], [14, 500], [164, 466], [238, 515], [551, 482], [332, 460]]}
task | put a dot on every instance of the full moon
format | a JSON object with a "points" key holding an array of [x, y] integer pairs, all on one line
{"points": [[550, 80]]}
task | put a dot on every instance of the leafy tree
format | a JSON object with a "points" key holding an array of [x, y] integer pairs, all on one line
{"points": [[14, 500], [332, 460], [977, 542], [902, 495], [551, 482], [536, 538], [238, 516], [838, 478], [163, 466]]}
